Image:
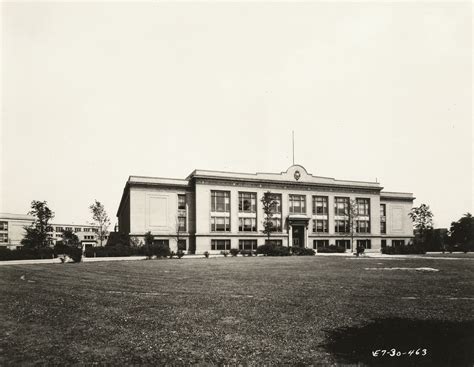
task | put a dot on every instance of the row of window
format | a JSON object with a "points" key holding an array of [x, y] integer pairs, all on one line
{"points": [[342, 243], [220, 202], [222, 224], [76, 229]]}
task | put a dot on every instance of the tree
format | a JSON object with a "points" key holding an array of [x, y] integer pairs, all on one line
{"points": [[71, 245], [422, 218], [269, 204], [149, 244], [178, 234], [462, 232], [99, 215], [352, 216], [36, 235]]}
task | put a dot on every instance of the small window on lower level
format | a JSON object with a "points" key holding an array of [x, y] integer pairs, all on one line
{"points": [[220, 245], [398, 243], [274, 242], [182, 245], [364, 243], [344, 243], [320, 243], [247, 244]]}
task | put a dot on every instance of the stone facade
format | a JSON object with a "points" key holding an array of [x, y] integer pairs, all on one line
{"points": [[155, 204]]}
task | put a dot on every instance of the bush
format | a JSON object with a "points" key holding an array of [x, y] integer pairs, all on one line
{"points": [[403, 250], [234, 251], [161, 250], [225, 253], [302, 251], [206, 254], [24, 253], [273, 250], [247, 252], [180, 254], [331, 249]]}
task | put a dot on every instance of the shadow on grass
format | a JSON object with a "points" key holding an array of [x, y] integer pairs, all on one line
{"points": [[447, 343]]}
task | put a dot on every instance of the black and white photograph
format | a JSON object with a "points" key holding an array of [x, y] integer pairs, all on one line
{"points": [[236, 183]]}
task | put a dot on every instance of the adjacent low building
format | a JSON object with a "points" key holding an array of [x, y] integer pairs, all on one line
{"points": [[12, 231], [214, 211]]}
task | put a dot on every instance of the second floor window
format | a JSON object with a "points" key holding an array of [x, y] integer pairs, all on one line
{"points": [[247, 202], [363, 207], [363, 226], [3, 226], [247, 225], [341, 206], [383, 218], [320, 205], [320, 226], [277, 199], [181, 202], [182, 224], [341, 226], [297, 204], [220, 201]]}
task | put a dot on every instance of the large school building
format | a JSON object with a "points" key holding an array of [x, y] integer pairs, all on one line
{"points": [[215, 211]]}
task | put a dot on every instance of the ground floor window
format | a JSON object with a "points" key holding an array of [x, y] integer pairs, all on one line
{"points": [[320, 243], [344, 243], [247, 244], [320, 226], [220, 224], [398, 243], [3, 237], [162, 242], [220, 245], [384, 243], [247, 224], [364, 243], [182, 245], [274, 242]]}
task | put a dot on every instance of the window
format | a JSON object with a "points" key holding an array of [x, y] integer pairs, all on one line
{"points": [[341, 206], [68, 228], [383, 218], [364, 243], [182, 224], [247, 202], [181, 245], [396, 243], [344, 243], [181, 201], [320, 226], [363, 207], [95, 230], [165, 243], [274, 242], [363, 226], [3, 237], [220, 224], [220, 201], [384, 243], [247, 244], [320, 243], [276, 224], [247, 224], [49, 229], [341, 226], [3, 226], [277, 198], [87, 229], [59, 229], [320, 205], [297, 204], [220, 245], [77, 229]]}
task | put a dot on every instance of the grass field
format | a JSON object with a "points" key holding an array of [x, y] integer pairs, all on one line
{"points": [[298, 310]]}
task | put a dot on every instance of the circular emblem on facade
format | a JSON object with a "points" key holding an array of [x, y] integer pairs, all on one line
{"points": [[297, 175]]}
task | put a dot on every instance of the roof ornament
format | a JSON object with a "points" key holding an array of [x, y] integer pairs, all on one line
{"points": [[297, 175]]}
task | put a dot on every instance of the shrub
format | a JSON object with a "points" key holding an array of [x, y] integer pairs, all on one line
{"points": [[75, 253], [331, 249], [161, 250], [172, 254], [206, 254], [225, 253], [247, 252], [234, 251], [302, 251], [180, 254], [25, 253], [403, 250], [273, 250]]}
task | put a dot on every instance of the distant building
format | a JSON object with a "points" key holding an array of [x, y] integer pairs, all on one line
{"points": [[12, 231], [215, 211]]}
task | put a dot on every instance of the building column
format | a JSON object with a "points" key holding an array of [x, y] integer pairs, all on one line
{"points": [[306, 236], [290, 235]]}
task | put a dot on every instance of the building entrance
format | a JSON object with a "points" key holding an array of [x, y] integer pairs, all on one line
{"points": [[298, 236]]}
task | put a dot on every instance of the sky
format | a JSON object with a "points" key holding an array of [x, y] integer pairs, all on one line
{"points": [[94, 92]]}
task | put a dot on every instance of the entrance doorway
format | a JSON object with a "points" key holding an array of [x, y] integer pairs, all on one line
{"points": [[298, 236]]}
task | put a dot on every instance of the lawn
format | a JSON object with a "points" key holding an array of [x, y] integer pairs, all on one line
{"points": [[297, 310]]}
